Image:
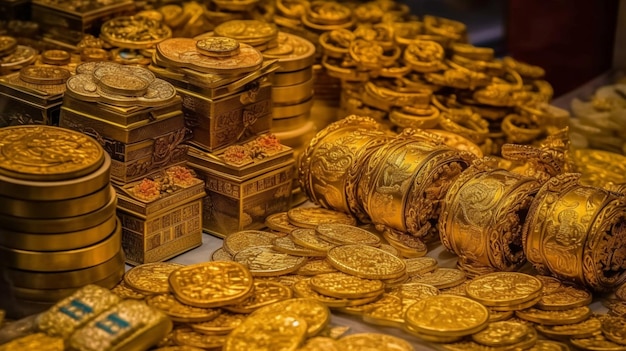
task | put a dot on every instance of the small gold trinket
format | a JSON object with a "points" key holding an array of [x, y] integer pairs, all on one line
{"points": [[221, 255], [308, 237], [420, 265], [189, 337], [614, 329], [122, 290], [279, 222], [315, 267], [286, 245], [597, 342]]}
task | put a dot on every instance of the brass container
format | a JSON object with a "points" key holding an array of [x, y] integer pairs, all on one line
{"points": [[577, 233], [240, 198], [69, 21], [140, 140], [482, 217], [159, 230], [26, 103]]}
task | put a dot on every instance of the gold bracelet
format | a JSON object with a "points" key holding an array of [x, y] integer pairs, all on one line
{"points": [[521, 129], [408, 117], [465, 123]]}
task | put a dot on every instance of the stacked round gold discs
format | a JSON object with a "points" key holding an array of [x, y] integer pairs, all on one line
{"points": [[58, 228]]}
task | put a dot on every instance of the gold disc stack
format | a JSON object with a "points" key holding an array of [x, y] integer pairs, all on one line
{"points": [[58, 228]]}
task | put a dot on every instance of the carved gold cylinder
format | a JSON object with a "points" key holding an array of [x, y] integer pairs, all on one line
{"points": [[577, 233], [330, 166], [482, 218]]}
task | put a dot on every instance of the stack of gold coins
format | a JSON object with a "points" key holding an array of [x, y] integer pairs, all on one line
{"points": [[258, 34], [14, 57], [58, 228], [292, 95]]}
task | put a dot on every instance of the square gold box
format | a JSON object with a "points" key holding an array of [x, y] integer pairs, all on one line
{"points": [[159, 230], [239, 198]]}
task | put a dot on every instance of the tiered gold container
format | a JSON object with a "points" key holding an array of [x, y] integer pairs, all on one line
{"points": [[58, 228], [241, 191]]}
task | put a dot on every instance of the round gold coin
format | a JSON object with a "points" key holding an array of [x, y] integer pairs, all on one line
{"points": [[221, 325], [310, 217], [239, 241], [280, 330], [549, 345], [504, 333], [315, 267], [179, 312], [597, 343], [265, 293], [8, 44], [565, 297], [279, 222], [447, 315], [339, 233], [44, 75], [315, 314], [441, 278], [420, 265], [286, 245], [218, 46], [221, 255], [56, 57], [211, 284], [414, 291], [36, 341], [122, 290], [47, 153], [571, 316], [584, 329], [343, 285], [150, 278], [263, 261], [614, 329], [307, 237], [504, 288], [127, 85], [373, 341], [189, 337], [366, 262]]}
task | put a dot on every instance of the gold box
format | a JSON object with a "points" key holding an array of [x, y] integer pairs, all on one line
{"points": [[239, 198], [67, 21], [25, 103], [159, 230], [140, 140]]}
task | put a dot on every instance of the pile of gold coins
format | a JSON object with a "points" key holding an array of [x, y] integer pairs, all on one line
{"points": [[59, 231], [93, 318]]}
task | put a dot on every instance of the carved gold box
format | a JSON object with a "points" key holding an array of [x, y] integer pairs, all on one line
{"points": [[240, 197], [68, 21], [157, 230], [25, 103], [140, 140]]}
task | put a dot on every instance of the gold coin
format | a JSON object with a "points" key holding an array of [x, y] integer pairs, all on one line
{"points": [[366, 262], [614, 329], [310, 217], [320, 343], [150, 278], [441, 278], [218, 46], [358, 310], [585, 329], [307, 237], [44, 75], [221, 325], [264, 261], [36, 341], [286, 245], [221, 255], [316, 314], [571, 316], [373, 341], [414, 291], [179, 312], [616, 307], [504, 333], [279, 222], [390, 314], [447, 315], [565, 297], [343, 285], [122, 290], [390, 249], [8, 44], [497, 316], [247, 30], [620, 292], [303, 289], [597, 343], [189, 337], [239, 241], [265, 293], [420, 265], [47, 153], [315, 267], [550, 284], [134, 32], [211, 284], [549, 345], [338, 233], [457, 289], [280, 330], [504, 288], [293, 52]]}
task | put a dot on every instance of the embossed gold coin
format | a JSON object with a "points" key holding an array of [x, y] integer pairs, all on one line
{"points": [[584, 329], [441, 278], [264, 261], [440, 339], [221, 255], [265, 293], [316, 314], [420, 265], [597, 343], [189, 337], [307, 237], [211, 284], [179, 312], [36, 341], [293, 52], [252, 32], [504, 288], [218, 46], [239, 241], [614, 329], [343, 285], [122, 290], [504, 333], [150, 278], [47, 153], [338, 233], [44, 75], [56, 57], [303, 289], [134, 32], [373, 341], [286, 245], [389, 314], [565, 297], [8, 44], [571, 316], [447, 315], [310, 217], [279, 222], [315, 267], [221, 325], [366, 262], [280, 331], [414, 291]]}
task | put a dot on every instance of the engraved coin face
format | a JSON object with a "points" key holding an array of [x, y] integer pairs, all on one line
{"points": [[179, 312], [420, 265], [20, 57], [340, 233], [447, 315], [193, 339], [570, 316], [366, 262], [281, 331], [246, 30], [82, 87], [134, 32], [565, 297], [414, 291], [504, 288], [211, 284], [150, 278], [502, 333], [47, 153], [441, 278], [315, 267], [264, 261], [244, 239], [44, 75], [310, 217], [222, 324], [218, 46], [584, 329], [315, 314], [126, 85], [56, 57], [265, 293], [343, 285], [286, 245], [279, 222], [308, 237], [221, 255]]}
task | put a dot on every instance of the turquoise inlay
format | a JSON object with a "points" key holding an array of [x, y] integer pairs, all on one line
{"points": [[76, 309], [112, 324]]}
